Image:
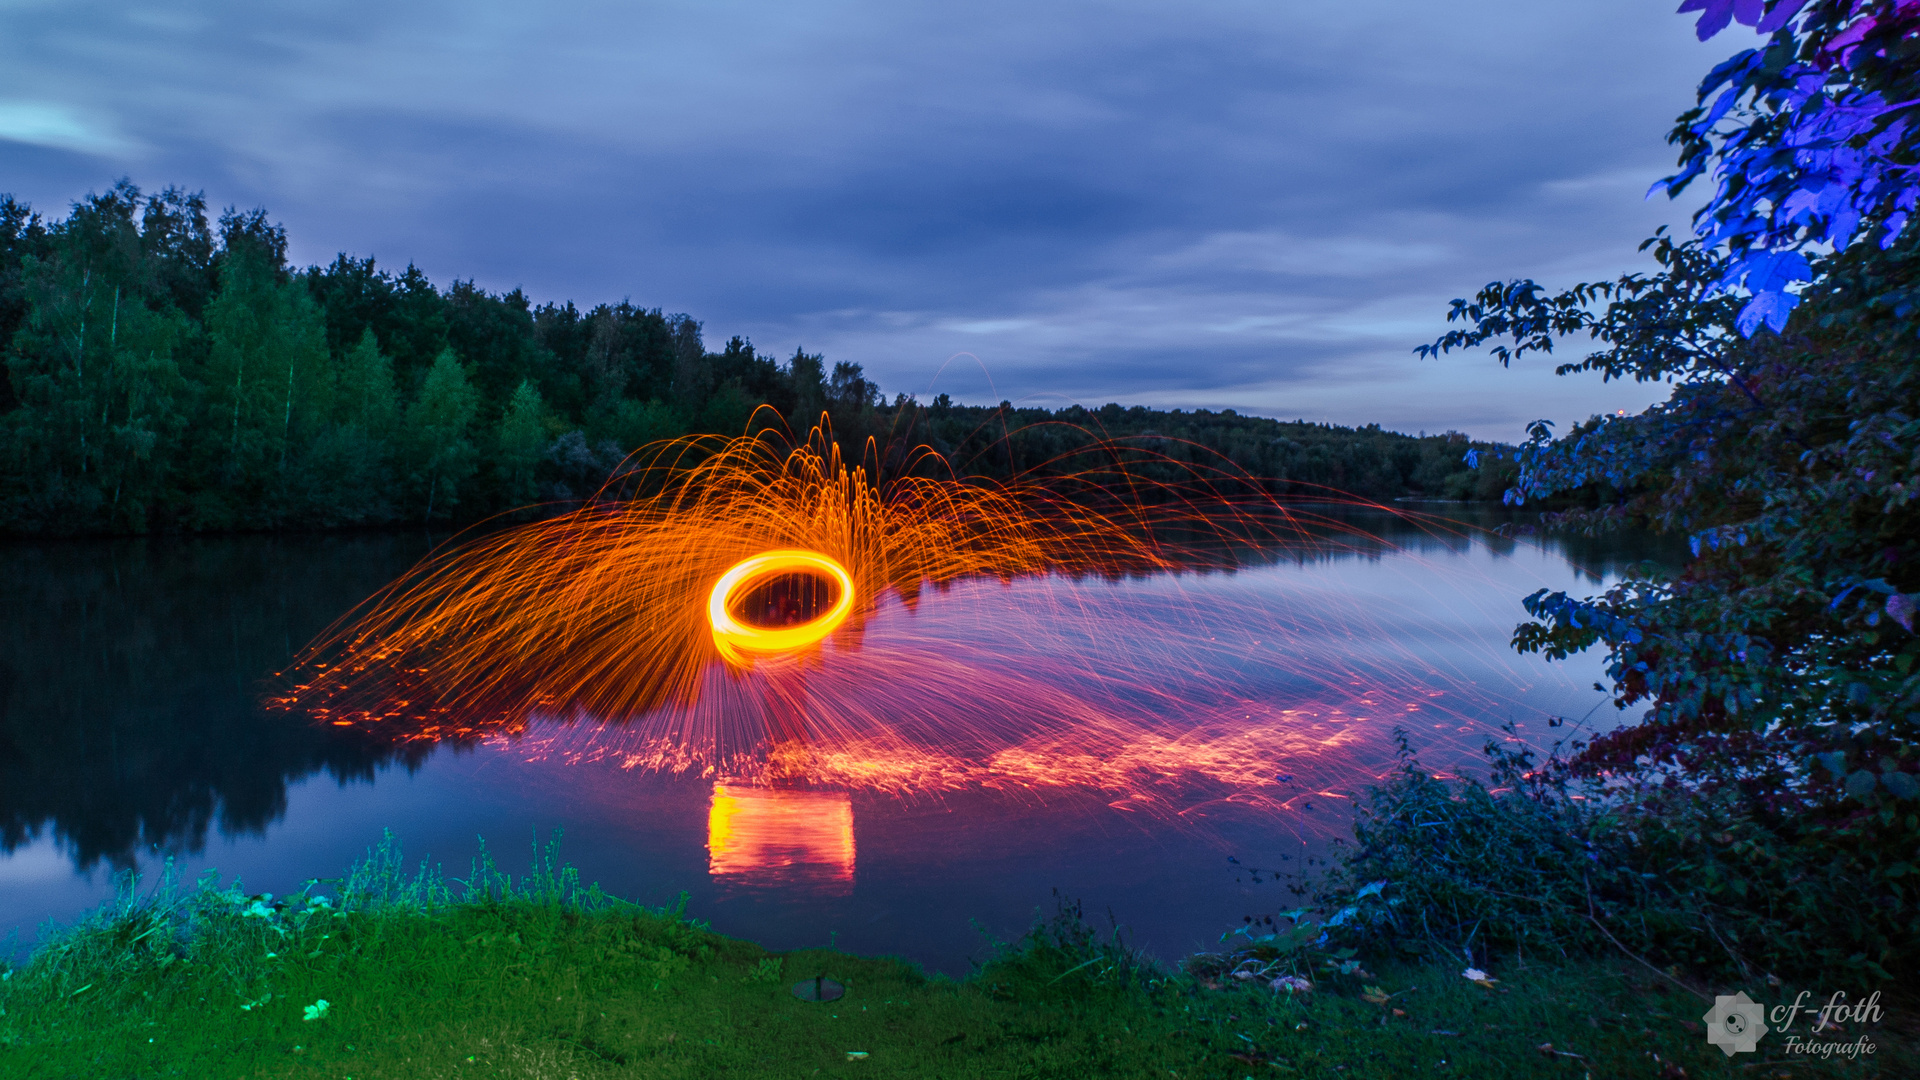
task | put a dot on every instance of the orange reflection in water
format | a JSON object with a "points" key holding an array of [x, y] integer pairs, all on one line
{"points": [[763, 836]]}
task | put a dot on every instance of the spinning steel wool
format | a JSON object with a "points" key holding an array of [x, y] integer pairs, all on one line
{"points": [[758, 612], [734, 635]]}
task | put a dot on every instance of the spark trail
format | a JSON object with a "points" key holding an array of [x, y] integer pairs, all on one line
{"points": [[760, 611]]}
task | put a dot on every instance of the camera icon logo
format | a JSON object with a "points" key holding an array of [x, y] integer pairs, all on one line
{"points": [[1735, 1024]]}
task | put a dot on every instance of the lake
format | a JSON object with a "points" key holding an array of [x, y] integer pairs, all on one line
{"points": [[1113, 738]]}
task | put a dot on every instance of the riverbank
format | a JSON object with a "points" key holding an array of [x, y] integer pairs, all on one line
{"points": [[380, 975]]}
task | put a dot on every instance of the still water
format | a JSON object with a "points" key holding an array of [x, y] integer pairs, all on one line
{"points": [[1255, 703]]}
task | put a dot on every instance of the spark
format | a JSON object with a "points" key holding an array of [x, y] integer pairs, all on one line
{"points": [[765, 613]]}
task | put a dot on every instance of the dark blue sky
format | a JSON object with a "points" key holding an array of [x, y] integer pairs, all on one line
{"points": [[1251, 205]]}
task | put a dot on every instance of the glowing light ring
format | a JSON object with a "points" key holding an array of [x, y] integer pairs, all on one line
{"points": [[733, 636]]}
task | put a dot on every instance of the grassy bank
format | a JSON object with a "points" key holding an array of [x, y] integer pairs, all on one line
{"points": [[538, 977]]}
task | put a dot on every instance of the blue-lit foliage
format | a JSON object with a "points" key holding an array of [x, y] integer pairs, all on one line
{"points": [[1779, 672], [1810, 138]]}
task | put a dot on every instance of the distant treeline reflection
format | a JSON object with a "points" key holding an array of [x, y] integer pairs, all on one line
{"points": [[130, 673], [165, 373]]}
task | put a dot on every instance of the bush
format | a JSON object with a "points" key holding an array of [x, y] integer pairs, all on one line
{"points": [[1669, 874], [1061, 957]]}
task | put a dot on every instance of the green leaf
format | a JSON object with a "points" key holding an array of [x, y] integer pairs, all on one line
{"points": [[1901, 785], [1860, 784]]}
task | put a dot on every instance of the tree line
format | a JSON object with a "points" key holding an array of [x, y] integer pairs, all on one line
{"points": [[171, 372]]}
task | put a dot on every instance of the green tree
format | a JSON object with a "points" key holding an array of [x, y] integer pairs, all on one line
{"points": [[140, 418], [347, 469], [494, 334], [267, 380], [808, 374], [438, 430], [364, 394], [637, 423], [93, 367], [179, 247], [726, 410], [77, 291], [22, 235], [522, 437]]}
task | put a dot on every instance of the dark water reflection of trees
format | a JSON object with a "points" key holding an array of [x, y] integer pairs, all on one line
{"points": [[130, 673], [1597, 557], [1330, 532], [131, 670]]}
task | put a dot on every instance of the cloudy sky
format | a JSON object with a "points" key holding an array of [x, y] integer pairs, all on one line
{"points": [[1252, 205]]}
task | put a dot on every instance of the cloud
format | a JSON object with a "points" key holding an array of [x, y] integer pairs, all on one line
{"points": [[1287, 255], [61, 128], [1105, 199]]}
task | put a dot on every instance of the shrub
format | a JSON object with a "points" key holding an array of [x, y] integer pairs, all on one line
{"points": [[1544, 861]]}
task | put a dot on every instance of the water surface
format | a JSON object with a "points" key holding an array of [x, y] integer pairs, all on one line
{"points": [[131, 675]]}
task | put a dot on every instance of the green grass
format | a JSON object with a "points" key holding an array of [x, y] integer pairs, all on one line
{"points": [[540, 978]]}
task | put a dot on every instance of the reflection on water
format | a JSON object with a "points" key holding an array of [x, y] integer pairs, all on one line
{"points": [[1149, 680], [781, 838], [129, 683], [130, 673]]}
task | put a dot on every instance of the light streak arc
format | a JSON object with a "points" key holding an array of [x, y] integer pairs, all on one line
{"points": [[613, 622], [733, 636]]}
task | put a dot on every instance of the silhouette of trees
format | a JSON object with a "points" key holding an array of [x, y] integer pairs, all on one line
{"points": [[165, 373]]}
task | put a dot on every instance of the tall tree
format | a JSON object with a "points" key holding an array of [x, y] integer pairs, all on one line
{"points": [[364, 392], [808, 373], [521, 440], [416, 327], [347, 469], [85, 286], [180, 247], [357, 298], [22, 236], [268, 380], [439, 431], [692, 373], [495, 335], [563, 335]]}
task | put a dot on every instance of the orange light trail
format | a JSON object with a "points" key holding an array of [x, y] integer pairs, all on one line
{"points": [[735, 635], [616, 610], [970, 636]]}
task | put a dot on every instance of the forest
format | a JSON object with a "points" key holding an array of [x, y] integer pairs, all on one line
{"points": [[168, 371]]}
